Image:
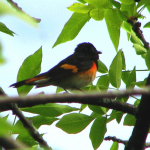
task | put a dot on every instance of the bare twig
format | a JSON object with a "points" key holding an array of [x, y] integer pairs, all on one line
{"points": [[33, 132], [114, 139], [10, 143], [136, 28]]}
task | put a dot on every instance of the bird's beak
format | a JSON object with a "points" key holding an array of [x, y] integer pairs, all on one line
{"points": [[99, 52]]}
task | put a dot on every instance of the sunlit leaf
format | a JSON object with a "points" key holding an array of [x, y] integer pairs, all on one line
{"points": [[129, 120], [98, 131], [4, 29], [74, 123], [7, 9], [99, 3], [30, 68], [80, 8], [115, 70], [72, 27], [102, 67], [114, 146], [50, 110], [139, 49], [131, 79], [97, 14]]}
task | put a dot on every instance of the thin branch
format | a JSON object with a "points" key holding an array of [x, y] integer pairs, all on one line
{"points": [[139, 33], [100, 99], [33, 132], [10, 143], [114, 139]]}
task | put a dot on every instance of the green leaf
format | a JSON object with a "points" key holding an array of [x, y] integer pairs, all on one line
{"points": [[135, 39], [50, 110], [147, 25], [80, 8], [95, 115], [58, 90], [114, 146], [27, 139], [81, 1], [2, 59], [130, 9], [123, 61], [114, 34], [99, 3], [101, 67], [143, 2], [98, 131], [131, 79], [7, 9], [42, 120], [128, 2], [119, 114], [125, 76], [115, 70], [4, 127], [97, 109], [83, 106], [103, 82], [127, 27], [30, 68], [94, 88], [74, 123], [129, 120], [112, 17], [139, 49], [137, 102], [140, 84], [72, 27], [97, 14], [147, 59], [115, 4], [4, 29]]}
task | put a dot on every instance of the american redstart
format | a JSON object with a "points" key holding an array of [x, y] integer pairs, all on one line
{"points": [[74, 72]]}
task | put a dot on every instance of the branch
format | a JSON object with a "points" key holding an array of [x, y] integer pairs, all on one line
{"points": [[33, 132], [139, 33], [10, 143], [114, 139], [141, 128], [100, 99]]}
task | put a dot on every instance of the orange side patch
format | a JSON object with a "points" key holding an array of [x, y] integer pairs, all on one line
{"points": [[91, 72], [72, 67], [35, 79]]}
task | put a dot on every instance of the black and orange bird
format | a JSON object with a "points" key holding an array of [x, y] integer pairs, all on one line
{"points": [[74, 72]]}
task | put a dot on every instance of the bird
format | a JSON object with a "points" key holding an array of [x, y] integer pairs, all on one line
{"points": [[74, 72]]}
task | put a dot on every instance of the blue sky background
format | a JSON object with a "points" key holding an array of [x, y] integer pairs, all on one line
{"points": [[54, 15]]}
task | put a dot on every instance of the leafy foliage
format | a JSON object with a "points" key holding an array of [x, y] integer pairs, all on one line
{"points": [[117, 15]]}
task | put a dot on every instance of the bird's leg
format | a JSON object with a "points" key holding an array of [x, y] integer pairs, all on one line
{"points": [[66, 91]]}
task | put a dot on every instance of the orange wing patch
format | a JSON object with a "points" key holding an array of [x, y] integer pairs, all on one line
{"points": [[72, 67], [35, 79]]}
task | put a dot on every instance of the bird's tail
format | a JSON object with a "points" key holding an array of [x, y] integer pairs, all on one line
{"points": [[32, 81]]}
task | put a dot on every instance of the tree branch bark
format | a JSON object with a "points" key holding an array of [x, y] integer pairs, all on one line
{"points": [[10, 143], [32, 131], [100, 99], [141, 128]]}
